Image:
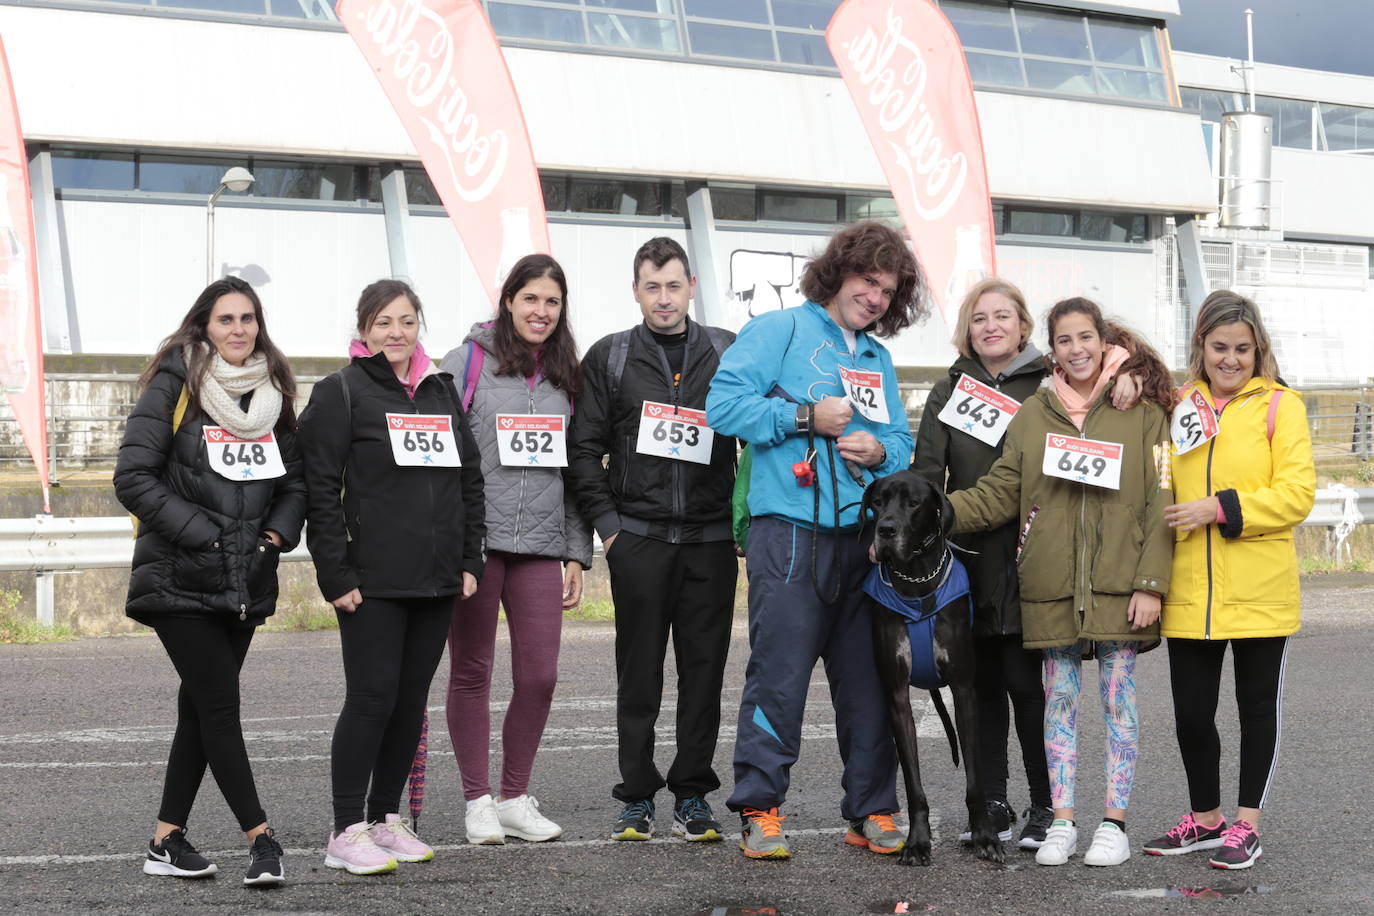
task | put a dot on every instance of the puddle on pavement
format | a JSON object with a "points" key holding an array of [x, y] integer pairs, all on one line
{"points": [[740, 911], [1216, 892]]}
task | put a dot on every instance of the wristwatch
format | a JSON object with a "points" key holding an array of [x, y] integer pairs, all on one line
{"points": [[803, 418]]}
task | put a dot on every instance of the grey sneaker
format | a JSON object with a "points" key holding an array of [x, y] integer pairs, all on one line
{"points": [[877, 832], [636, 821], [762, 836]]}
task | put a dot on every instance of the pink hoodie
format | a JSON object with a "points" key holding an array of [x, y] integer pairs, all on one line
{"points": [[1075, 403], [419, 363]]}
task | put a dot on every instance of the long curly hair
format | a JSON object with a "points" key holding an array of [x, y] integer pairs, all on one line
{"points": [[192, 334], [866, 247], [1156, 384]]}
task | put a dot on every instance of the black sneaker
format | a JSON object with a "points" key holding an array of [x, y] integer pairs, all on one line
{"points": [[693, 820], [264, 861], [1002, 819], [636, 821], [1187, 836], [1038, 821], [176, 856]]}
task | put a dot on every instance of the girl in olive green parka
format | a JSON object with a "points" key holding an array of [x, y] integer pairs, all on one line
{"points": [[1095, 558]]}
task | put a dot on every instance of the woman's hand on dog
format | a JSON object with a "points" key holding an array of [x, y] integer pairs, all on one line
{"points": [[1143, 609]]}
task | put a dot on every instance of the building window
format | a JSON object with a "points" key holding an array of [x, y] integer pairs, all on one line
{"points": [[236, 9], [1041, 222], [1057, 51], [1348, 128], [93, 170]]}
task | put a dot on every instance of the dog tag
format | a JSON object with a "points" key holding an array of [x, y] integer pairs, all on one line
{"points": [[865, 392], [532, 440], [679, 433], [241, 459], [979, 410], [420, 440], [1194, 423], [1087, 461]]}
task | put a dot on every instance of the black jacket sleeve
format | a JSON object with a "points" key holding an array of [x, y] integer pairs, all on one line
{"points": [[474, 496], [932, 437], [591, 439], [138, 477], [325, 439], [286, 515]]}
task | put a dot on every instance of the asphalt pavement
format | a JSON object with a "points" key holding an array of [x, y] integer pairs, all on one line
{"points": [[85, 726]]}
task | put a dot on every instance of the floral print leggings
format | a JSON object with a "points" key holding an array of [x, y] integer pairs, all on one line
{"points": [[1116, 684]]}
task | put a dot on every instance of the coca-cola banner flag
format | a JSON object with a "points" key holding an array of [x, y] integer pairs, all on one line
{"points": [[21, 330], [904, 67], [440, 65]]}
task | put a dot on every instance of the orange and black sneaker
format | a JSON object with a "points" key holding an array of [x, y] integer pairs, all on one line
{"points": [[762, 836], [878, 832]]}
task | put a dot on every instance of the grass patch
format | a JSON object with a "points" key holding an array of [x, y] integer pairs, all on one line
{"points": [[18, 628], [597, 609], [300, 609]]}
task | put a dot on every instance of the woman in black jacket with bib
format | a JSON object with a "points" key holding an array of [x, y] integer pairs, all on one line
{"points": [[210, 469], [396, 532]]}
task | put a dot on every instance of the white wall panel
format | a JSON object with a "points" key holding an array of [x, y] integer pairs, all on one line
{"points": [[1324, 193]]}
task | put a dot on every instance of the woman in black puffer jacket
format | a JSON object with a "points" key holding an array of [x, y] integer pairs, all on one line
{"points": [[210, 468]]}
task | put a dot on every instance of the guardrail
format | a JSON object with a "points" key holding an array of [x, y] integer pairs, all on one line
{"points": [[44, 545]]}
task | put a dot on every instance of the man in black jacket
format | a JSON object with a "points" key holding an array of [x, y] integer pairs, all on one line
{"points": [[662, 508]]}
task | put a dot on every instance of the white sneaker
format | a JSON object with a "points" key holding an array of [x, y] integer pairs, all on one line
{"points": [[484, 827], [1061, 842], [1109, 846], [520, 817]]}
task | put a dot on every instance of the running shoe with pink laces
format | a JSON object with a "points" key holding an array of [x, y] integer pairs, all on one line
{"points": [[1240, 847], [395, 836], [1187, 836], [352, 850]]}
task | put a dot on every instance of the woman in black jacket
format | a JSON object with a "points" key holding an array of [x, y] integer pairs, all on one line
{"points": [[396, 532], [209, 466]]}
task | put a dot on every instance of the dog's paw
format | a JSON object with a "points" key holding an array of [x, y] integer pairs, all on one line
{"points": [[991, 850], [912, 855]]}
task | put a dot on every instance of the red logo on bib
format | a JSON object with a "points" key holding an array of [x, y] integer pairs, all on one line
{"points": [[1058, 441], [969, 384], [507, 422], [655, 410], [396, 422], [215, 434]]}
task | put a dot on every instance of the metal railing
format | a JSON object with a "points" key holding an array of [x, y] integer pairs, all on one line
{"points": [[45, 545]]}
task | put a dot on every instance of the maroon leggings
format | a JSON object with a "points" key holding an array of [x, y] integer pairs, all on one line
{"points": [[531, 588]]}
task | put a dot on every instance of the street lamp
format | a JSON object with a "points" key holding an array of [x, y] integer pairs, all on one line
{"points": [[236, 179]]}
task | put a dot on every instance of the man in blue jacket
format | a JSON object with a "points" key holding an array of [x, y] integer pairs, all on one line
{"points": [[815, 394]]}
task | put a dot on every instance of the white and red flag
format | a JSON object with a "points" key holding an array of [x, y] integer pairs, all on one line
{"points": [[904, 67], [440, 65], [21, 327]]}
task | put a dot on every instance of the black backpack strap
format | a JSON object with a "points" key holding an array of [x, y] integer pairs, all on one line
{"points": [[719, 338], [615, 361]]}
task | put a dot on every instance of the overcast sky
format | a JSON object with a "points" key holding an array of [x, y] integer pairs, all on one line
{"points": [[1316, 34]]}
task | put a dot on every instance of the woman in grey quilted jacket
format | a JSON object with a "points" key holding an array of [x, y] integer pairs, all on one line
{"points": [[520, 377]]}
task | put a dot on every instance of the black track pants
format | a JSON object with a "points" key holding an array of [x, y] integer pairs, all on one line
{"points": [[688, 589], [1195, 673]]}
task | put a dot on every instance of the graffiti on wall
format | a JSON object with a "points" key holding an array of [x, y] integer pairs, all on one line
{"points": [[764, 281]]}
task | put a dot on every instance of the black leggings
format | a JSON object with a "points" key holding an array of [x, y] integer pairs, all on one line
{"points": [[391, 647], [1005, 669], [207, 653], [1195, 673]]}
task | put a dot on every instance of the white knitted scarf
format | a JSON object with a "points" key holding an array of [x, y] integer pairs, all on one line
{"points": [[224, 384]]}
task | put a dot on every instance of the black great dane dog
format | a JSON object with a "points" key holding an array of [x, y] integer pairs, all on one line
{"points": [[911, 522]]}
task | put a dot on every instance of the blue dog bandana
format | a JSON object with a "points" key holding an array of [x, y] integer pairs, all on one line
{"points": [[920, 614]]}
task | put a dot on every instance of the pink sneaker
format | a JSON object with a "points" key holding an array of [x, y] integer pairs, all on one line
{"points": [[396, 837], [352, 849]]}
